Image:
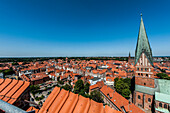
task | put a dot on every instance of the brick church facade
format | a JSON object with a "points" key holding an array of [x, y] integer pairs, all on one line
{"points": [[144, 76]]}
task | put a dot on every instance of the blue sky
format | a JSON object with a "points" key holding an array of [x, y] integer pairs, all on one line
{"points": [[82, 27]]}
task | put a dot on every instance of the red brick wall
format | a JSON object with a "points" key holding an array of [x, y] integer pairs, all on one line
{"points": [[138, 102], [148, 82], [157, 105], [143, 101], [148, 105]]}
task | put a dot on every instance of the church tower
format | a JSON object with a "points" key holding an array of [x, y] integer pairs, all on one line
{"points": [[144, 77], [143, 54]]}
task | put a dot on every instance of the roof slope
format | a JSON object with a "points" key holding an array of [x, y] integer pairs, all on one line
{"points": [[119, 101], [143, 44], [11, 89], [62, 101]]}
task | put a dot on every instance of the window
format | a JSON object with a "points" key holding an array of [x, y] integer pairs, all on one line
{"points": [[138, 73], [160, 104], [138, 96], [147, 75], [149, 100], [141, 69], [140, 105], [145, 69], [141, 74], [165, 106], [144, 83], [138, 69]]}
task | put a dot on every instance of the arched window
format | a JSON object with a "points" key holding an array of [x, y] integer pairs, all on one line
{"points": [[160, 104], [149, 100], [165, 106], [138, 96]]}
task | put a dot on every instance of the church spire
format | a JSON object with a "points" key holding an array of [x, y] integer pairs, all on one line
{"points": [[129, 54], [143, 45]]}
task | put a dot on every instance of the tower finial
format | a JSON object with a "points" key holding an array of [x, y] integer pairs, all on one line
{"points": [[141, 14]]}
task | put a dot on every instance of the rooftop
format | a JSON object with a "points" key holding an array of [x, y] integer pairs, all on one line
{"points": [[64, 101], [11, 89]]}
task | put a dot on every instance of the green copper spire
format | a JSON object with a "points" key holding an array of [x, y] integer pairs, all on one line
{"points": [[143, 44]]}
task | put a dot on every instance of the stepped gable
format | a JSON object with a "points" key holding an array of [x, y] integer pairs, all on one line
{"points": [[143, 45]]}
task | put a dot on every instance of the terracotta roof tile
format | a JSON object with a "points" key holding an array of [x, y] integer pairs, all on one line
{"points": [[67, 102], [82, 105], [70, 103], [50, 99], [32, 108], [11, 89], [110, 110], [59, 101], [21, 90], [133, 108], [96, 107], [5, 84]]}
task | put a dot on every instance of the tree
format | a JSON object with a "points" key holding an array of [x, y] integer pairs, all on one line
{"points": [[34, 88], [86, 87], [162, 76], [78, 86], [115, 81], [126, 93], [120, 85], [82, 92], [128, 81], [15, 63], [9, 71], [96, 96], [67, 87]]}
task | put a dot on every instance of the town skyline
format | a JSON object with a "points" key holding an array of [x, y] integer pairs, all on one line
{"points": [[81, 29]]}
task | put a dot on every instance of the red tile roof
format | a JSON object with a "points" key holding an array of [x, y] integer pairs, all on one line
{"points": [[10, 90], [67, 102], [110, 110], [97, 85], [119, 100], [32, 108]]}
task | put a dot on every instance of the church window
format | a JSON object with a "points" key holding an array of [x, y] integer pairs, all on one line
{"points": [[149, 100], [165, 106], [138, 96]]}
